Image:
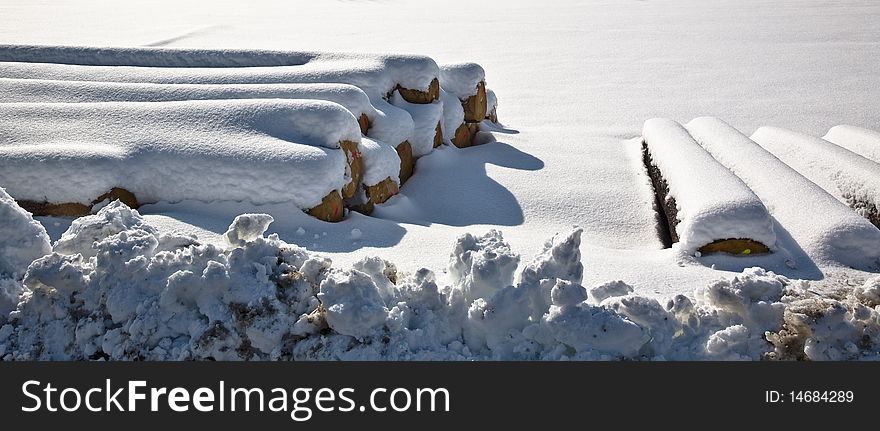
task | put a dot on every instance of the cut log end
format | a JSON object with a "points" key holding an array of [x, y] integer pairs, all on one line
{"points": [[735, 246], [364, 122], [438, 135], [330, 209], [465, 134], [420, 96], [475, 107], [404, 151], [376, 194], [379, 193], [355, 165], [71, 209]]}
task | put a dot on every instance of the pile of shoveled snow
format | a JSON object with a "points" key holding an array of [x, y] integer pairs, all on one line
{"points": [[114, 288], [22, 239]]}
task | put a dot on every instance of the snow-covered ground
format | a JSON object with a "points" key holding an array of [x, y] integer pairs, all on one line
{"points": [[575, 82]]}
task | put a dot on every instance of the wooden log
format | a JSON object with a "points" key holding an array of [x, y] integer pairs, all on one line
{"points": [[475, 106], [701, 204], [364, 122], [71, 209], [419, 96], [356, 166], [407, 165], [330, 209], [465, 134], [376, 194], [438, 136]]}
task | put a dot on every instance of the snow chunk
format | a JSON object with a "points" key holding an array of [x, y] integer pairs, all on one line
{"points": [[461, 79], [730, 344], [481, 266], [356, 234], [561, 258], [246, 228], [83, 234], [586, 328], [22, 239], [353, 304], [869, 293], [751, 298], [609, 290]]}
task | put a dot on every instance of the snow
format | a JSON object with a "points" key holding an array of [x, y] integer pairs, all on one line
{"points": [[22, 240], [712, 203], [482, 265], [863, 142], [834, 234], [461, 79], [246, 228], [852, 179], [258, 151]]}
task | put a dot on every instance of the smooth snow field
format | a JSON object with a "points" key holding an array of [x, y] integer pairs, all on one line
{"points": [[575, 81]]}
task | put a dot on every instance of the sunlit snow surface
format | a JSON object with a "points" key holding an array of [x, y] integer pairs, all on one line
{"points": [[575, 81]]}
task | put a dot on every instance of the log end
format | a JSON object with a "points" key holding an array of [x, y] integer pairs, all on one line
{"points": [[419, 96], [404, 151], [735, 246], [71, 209], [355, 165], [330, 209], [438, 135], [475, 107], [364, 123]]}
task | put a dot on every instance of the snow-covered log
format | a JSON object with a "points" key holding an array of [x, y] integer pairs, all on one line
{"points": [[863, 142], [851, 178], [707, 207], [388, 123], [833, 234], [379, 75], [259, 151], [467, 82], [52, 91]]}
